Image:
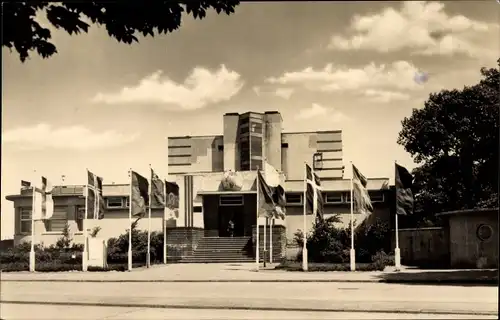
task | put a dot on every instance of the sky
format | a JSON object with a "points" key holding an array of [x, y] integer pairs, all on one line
{"points": [[108, 106]]}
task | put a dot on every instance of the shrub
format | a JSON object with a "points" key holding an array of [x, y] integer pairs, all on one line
{"points": [[325, 267], [51, 266], [328, 243], [382, 259], [118, 247]]}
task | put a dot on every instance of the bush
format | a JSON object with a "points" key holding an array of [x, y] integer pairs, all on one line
{"points": [[325, 267], [118, 247], [382, 260], [329, 243], [52, 266], [326, 243]]}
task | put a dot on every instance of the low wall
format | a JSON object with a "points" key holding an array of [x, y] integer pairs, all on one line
{"points": [[423, 247], [279, 241], [181, 242], [473, 238]]}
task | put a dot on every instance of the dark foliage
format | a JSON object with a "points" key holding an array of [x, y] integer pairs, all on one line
{"points": [[318, 267], [328, 243], [123, 20], [118, 247], [454, 139]]}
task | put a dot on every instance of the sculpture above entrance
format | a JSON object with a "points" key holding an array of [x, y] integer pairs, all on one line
{"points": [[231, 181]]}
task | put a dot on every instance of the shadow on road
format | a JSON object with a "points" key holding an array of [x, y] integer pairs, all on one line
{"points": [[464, 278]]}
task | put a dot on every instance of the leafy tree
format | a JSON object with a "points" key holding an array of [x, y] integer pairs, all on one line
{"points": [[454, 138], [123, 20]]}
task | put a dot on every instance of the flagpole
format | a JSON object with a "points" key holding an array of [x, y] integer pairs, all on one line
{"points": [[352, 251], [397, 252], [271, 222], [257, 241], [148, 255], [84, 226], [165, 211], [32, 250], [165, 223], [130, 225], [265, 236], [304, 248]]}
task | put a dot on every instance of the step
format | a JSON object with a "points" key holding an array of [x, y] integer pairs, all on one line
{"points": [[219, 258]]}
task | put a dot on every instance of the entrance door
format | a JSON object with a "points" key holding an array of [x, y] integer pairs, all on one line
{"points": [[231, 209], [234, 214]]}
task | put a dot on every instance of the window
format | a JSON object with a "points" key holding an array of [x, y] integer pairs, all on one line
{"points": [[347, 197], [284, 145], [245, 166], [333, 197], [231, 200], [114, 202], [255, 127], [245, 154], [376, 196], [244, 121], [318, 160], [197, 209], [244, 129], [79, 215], [25, 220], [58, 221], [127, 202], [256, 146], [220, 148], [293, 198], [256, 164]]}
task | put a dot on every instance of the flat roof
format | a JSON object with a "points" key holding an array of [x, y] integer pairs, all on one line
{"points": [[318, 131]]}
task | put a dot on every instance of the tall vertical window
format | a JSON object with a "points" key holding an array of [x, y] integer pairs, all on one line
{"points": [[245, 154], [256, 146], [250, 142], [25, 220]]}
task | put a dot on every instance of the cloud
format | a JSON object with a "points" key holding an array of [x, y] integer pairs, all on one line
{"points": [[74, 137], [317, 110], [420, 26], [201, 88], [284, 93], [399, 74], [384, 96]]}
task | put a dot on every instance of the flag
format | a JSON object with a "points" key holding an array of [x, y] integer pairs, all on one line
{"points": [[314, 199], [404, 194], [25, 184], [47, 201], [172, 203], [95, 200], [157, 191], [271, 175], [140, 196], [362, 202], [271, 199]]}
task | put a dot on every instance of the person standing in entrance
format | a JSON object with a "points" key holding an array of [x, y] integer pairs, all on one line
{"points": [[230, 228]]}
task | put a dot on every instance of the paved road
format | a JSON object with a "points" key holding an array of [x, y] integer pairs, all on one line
{"points": [[60, 300], [13, 312]]}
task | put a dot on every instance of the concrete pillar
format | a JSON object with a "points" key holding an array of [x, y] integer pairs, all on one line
{"points": [[231, 152]]}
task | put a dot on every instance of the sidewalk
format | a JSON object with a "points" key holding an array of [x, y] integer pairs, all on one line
{"points": [[248, 273]]}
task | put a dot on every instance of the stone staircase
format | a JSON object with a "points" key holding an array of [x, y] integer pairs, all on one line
{"points": [[222, 250]]}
